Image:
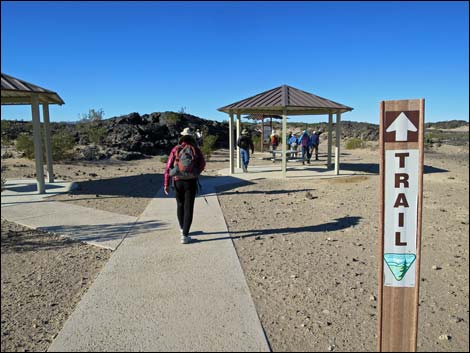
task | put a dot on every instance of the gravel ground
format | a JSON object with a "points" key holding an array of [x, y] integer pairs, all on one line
{"points": [[308, 249], [43, 278], [309, 252]]}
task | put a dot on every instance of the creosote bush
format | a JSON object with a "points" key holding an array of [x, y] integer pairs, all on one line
{"points": [[208, 146], [354, 143], [61, 144]]}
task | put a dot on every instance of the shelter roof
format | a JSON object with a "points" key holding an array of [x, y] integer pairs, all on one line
{"points": [[16, 91], [285, 98]]}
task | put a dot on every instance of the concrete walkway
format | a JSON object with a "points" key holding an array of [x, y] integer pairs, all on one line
{"points": [[23, 205], [156, 294], [295, 172]]}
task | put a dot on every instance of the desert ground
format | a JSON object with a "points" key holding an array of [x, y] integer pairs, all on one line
{"points": [[308, 249]]}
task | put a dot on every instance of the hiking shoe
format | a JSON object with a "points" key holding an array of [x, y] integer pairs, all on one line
{"points": [[185, 239]]}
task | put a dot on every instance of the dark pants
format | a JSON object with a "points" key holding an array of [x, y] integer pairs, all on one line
{"points": [[185, 192], [315, 150], [306, 153]]}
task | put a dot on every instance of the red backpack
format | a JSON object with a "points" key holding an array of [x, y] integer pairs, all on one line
{"points": [[186, 162]]}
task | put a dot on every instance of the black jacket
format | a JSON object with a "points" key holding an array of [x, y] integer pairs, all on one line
{"points": [[246, 142]]}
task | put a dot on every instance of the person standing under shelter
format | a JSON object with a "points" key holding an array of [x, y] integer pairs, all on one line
{"points": [[314, 142], [185, 164], [245, 143], [304, 143], [274, 140], [292, 144]]}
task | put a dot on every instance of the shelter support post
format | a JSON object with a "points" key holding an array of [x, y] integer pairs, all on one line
{"points": [[47, 135], [284, 143], [238, 136], [37, 144], [338, 142], [262, 135], [330, 139], [230, 143]]}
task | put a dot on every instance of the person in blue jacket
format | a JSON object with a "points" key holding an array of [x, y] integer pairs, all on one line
{"points": [[292, 143]]}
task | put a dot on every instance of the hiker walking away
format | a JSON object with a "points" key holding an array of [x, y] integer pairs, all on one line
{"points": [[184, 166], [314, 142], [274, 140], [304, 143], [245, 143]]}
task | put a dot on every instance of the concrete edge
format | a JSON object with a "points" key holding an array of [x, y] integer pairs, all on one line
{"points": [[239, 263]]}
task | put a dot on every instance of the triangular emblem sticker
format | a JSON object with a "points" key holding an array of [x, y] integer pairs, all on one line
{"points": [[399, 264]]}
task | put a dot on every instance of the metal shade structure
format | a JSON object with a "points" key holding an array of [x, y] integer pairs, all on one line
{"points": [[18, 92], [286, 100]]}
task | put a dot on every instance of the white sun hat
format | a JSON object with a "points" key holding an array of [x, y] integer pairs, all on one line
{"points": [[187, 131]]}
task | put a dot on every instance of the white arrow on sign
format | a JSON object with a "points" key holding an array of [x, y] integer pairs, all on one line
{"points": [[401, 126]]}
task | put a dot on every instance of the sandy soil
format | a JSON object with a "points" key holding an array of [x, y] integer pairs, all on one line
{"points": [[43, 278], [309, 247], [309, 252]]}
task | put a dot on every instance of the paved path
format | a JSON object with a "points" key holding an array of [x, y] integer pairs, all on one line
{"points": [[22, 204], [155, 294]]}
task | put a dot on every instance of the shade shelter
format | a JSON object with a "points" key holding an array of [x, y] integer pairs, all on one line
{"points": [[286, 100], [18, 92]]}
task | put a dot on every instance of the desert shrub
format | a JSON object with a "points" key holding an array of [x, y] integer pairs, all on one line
{"points": [[3, 178], [164, 159], [431, 137], [96, 134], [93, 115], [5, 125], [61, 143], [354, 143], [6, 142], [90, 131], [208, 146], [25, 144]]}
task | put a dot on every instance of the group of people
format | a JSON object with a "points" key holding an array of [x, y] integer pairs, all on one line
{"points": [[308, 141]]}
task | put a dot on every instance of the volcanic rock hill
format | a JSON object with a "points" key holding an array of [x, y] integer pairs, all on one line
{"points": [[134, 136]]}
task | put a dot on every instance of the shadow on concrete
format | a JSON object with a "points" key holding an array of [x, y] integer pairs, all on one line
{"points": [[101, 233], [30, 187], [337, 224], [374, 168], [41, 239], [143, 185]]}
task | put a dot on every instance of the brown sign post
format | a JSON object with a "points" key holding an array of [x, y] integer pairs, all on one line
{"points": [[401, 199]]}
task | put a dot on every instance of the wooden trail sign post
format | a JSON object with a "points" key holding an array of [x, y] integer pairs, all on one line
{"points": [[401, 200]]}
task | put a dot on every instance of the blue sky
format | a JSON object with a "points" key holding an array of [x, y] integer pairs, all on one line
{"points": [[156, 56]]}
